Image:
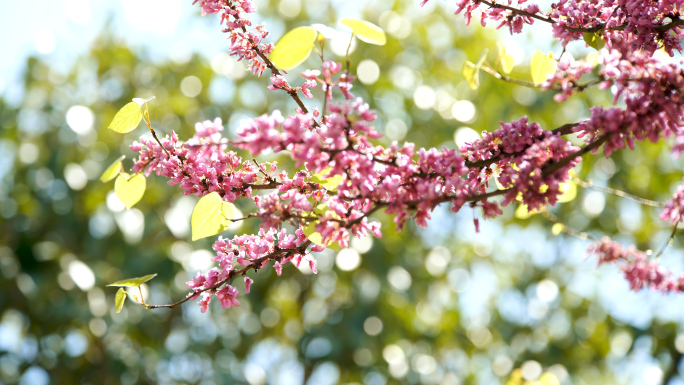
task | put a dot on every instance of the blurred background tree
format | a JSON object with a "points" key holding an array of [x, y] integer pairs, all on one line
{"points": [[442, 305]]}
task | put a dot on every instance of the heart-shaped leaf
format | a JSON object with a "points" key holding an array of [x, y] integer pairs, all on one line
{"points": [[293, 48], [366, 31], [130, 189], [120, 299], [594, 40], [542, 67], [132, 282], [113, 170], [211, 216], [127, 119]]}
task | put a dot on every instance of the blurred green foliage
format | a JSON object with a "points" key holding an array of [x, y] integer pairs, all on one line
{"points": [[441, 305]]}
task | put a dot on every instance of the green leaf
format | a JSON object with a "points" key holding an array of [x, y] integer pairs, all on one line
{"points": [[113, 170], [542, 67], [211, 216], [120, 299], [130, 189], [127, 118], [329, 183], [366, 31], [293, 48], [594, 40], [132, 282]]}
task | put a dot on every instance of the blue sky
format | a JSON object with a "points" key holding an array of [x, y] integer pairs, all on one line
{"points": [[60, 30]]}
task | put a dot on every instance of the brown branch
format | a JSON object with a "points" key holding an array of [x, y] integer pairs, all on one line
{"points": [[676, 21], [277, 255], [517, 11], [553, 167]]}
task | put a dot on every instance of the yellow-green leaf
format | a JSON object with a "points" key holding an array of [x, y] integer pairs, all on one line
{"points": [[317, 238], [471, 74], [293, 48], [594, 40], [113, 170], [211, 216], [523, 212], [127, 118], [366, 31], [120, 299], [471, 71], [568, 191], [542, 66], [132, 282], [310, 229], [557, 228], [324, 32], [506, 61], [329, 183], [141, 101], [130, 189], [483, 57]]}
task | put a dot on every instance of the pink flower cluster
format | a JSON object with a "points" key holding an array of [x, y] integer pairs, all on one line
{"points": [[653, 98], [568, 76], [674, 208], [245, 44], [642, 23], [404, 181], [645, 25], [524, 151], [246, 252], [513, 17], [638, 270], [201, 165]]}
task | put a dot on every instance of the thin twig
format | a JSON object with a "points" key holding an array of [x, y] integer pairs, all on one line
{"points": [[670, 239], [488, 69], [589, 184]]}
